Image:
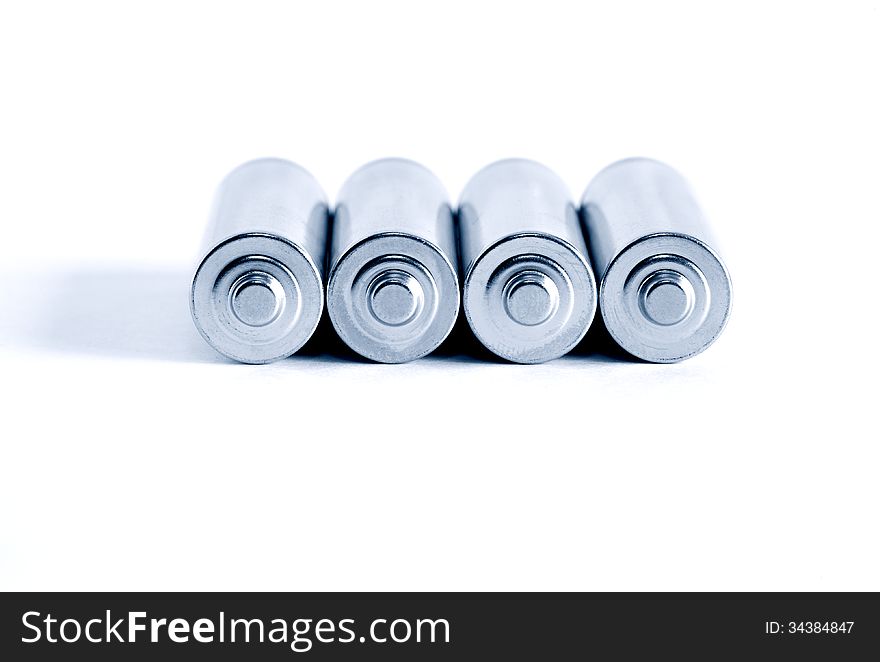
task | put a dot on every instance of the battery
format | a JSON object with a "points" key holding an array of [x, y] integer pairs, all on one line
{"points": [[257, 294], [665, 293], [393, 293], [529, 290]]}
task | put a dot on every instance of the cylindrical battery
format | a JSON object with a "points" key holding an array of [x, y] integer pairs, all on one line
{"points": [[529, 291], [392, 293], [257, 294], [664, 292]]}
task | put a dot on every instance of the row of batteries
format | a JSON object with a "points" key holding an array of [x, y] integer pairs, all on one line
{"points": [[392, 255]]}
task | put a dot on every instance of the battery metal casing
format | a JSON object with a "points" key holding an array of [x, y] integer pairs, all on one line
{"points": [[392, 292], [529, 290], [664, 294], [257, 293]]}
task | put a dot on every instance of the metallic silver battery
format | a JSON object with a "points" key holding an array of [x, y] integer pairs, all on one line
{"points": [[393, 291], [664, 292], [529, 290], [257, 294]]}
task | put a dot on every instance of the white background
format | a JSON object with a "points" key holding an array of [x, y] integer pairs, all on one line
{"points": [[133, 457]]}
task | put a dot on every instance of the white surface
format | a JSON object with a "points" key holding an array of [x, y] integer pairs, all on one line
{"points": [[134, 458]]}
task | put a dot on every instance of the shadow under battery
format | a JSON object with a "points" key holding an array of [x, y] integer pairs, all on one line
{"points": [[596, 347], [114, 312]]}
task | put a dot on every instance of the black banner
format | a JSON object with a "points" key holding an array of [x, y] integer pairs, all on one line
{"points": [[445, 626]]}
